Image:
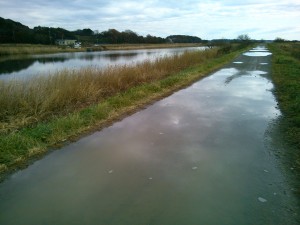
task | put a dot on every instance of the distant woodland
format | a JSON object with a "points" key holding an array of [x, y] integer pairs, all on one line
{"points": [[15, 32]]}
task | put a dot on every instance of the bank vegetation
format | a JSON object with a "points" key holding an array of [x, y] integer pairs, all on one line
{"points": [[286, 78]]}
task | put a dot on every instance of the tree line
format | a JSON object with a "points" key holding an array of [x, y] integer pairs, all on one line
{"points": [[15, 32]]}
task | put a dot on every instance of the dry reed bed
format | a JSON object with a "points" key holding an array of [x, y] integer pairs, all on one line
{"points": [[30, 100], [25, 49]]}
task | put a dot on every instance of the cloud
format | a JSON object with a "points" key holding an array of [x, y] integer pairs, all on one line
{"points": [[206, 19]]}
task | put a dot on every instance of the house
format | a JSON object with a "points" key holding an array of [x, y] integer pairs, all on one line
{"points": [[65, 42]]}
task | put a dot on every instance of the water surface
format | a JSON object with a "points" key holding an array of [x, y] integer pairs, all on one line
{"points": [[199, 156]]}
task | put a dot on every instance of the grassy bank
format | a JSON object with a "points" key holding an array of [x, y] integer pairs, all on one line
{"points": [[26, 49], [48, 111], [286, 78]]}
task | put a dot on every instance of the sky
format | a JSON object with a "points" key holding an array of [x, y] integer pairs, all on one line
{"points": [[207, 19]]}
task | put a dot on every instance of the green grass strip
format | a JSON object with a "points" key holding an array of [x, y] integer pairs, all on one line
{"points": [[286, 78]]}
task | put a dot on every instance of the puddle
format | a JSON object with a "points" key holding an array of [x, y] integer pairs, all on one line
{"points": [[262, 199], [242, 73], [259, 49], [238, 62], [257, 54], [256, 73]]}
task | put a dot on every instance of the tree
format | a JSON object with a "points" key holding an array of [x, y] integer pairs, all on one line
{"points": [[84, 32], [244, 38], [183, 39], [279, 40]]}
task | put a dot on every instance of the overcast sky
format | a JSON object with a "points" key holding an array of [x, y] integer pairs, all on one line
{"points": [[260, 19]]}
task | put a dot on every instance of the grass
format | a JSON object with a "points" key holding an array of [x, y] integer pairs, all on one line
{"points": [[286, 78], [44, 112]]}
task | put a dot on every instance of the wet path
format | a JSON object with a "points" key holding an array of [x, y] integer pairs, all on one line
{"points": [[196, 157]]}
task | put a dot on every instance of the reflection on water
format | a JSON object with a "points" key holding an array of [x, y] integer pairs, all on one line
{"points": [[259, 51], [10, 65], [196, 157], [49, 63], [13, 66], [239, 73]]}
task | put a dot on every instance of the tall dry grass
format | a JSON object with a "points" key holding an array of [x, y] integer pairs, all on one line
{"points": [[25, 49], [30, 100]]}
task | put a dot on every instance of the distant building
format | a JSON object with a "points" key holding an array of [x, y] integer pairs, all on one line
{"points": [[77, 45], [65, 42]]}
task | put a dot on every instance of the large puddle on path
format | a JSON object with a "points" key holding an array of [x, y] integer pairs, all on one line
{"points": [[258, 51], [196, 157]]}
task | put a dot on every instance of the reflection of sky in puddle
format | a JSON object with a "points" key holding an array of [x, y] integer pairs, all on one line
{"points": [[258, 51], [234, 73], [238, 62], [256, 73], [259, 48], [257, 54]]}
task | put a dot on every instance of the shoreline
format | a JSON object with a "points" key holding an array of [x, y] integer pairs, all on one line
{"points": [[11, 50]]}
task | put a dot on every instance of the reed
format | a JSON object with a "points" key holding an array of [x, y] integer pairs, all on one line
{"points": [[25, 49]]}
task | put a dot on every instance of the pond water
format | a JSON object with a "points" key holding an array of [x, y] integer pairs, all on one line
{"points": [[49, 63], [199, 156]]}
